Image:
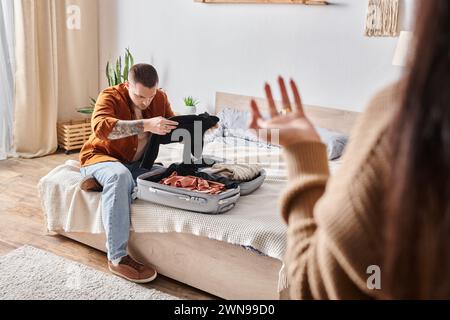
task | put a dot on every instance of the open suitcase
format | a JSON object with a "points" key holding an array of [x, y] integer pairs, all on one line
{"points": [[150, 189]]}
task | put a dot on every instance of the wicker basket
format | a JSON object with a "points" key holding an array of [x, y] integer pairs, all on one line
{"points": [[73, 134]]}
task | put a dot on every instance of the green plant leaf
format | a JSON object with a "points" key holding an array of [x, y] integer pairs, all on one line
{"points": [[190, 101], [116, 79], [132, 59], [107, 74], [93, 102], [128, 55], [126, 67], [86, 110], [111, 75], [118, 71]]}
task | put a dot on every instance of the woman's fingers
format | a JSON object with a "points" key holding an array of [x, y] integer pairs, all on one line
{"points": [[256, 114], [284, 94], [255, 109], [287, 105], [272, 106], [297, 98]]}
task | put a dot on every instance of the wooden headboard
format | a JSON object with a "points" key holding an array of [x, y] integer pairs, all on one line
{"points": [[332, 119]]}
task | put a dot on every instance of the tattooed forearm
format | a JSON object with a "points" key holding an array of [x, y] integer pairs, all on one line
{"points": [[125, 129]]}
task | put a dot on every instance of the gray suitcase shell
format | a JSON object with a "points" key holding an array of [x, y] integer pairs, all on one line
{"points": [[251, 186], [191, 200], [185, 199]]}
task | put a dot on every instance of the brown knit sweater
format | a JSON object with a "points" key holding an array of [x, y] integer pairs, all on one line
{"points": [[334, 232]]}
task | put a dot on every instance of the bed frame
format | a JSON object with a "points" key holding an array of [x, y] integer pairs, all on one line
{"points": [[332, 119], [221, 269]]}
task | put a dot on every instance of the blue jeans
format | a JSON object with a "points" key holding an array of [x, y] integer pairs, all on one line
{"points": [[118, 181]]}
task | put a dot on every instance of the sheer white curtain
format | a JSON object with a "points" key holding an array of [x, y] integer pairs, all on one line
{"points": [[56, 52], [6, 77]]}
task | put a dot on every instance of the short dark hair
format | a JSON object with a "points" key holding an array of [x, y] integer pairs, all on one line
{"points": [[144, 74]]}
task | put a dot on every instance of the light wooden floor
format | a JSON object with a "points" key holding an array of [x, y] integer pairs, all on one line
{"points": [[22, 223]]}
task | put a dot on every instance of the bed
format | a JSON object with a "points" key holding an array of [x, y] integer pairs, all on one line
{"points": [[237, 265]]}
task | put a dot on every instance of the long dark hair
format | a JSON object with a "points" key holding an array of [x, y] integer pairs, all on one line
{"points": [[417, 215]]}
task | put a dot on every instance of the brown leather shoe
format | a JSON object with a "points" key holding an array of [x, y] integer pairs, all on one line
{"points": [[133, 271], [90, 184]]}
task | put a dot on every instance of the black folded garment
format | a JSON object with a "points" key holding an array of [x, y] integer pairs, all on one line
{"points": [[191, 127]]}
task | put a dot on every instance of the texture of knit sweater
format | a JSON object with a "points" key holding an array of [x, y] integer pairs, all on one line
{"points": [[335, 235]]}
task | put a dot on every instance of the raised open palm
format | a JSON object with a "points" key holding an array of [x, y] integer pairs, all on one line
{"points": [[292, 128]]}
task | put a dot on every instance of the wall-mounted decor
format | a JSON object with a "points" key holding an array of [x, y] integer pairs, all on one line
{"points": [[306, 2], [382, 18]]}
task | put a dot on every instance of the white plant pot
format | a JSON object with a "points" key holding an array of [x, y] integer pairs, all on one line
{"points": [[190, 110]]}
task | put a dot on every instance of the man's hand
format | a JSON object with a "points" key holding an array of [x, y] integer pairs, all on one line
{"points": [[125, 129], [159, 126]]}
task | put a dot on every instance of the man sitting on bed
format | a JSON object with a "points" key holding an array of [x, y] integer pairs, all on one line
{"points": [[123, 119]]}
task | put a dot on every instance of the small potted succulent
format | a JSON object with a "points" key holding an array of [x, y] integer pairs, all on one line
{"points": [[190, 104]]}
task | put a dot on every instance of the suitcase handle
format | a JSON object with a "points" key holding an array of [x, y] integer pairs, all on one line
{"points": [[186, 198], [232, 199]]}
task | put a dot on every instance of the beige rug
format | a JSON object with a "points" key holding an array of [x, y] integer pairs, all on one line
{"points": [[32, 274]]}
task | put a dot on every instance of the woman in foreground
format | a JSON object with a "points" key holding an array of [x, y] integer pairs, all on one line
{"points": [[380, 227]]}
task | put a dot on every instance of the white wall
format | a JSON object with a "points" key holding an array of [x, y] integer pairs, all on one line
{"points": [[203, 48]]}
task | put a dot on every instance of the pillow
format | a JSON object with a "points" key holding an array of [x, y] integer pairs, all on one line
{"points": [[234, 123], [213, 134], [335, 142]]}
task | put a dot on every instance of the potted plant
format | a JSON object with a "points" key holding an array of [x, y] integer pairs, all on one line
{"points": [[115, 75], [190, 104], [87, 111]]}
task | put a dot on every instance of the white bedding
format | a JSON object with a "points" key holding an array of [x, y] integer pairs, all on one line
{"points": [[255, 222]]}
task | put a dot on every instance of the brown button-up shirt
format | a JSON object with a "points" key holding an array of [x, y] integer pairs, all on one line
{"points": [[115, 104]]}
